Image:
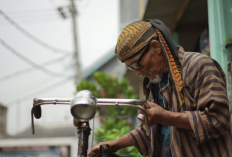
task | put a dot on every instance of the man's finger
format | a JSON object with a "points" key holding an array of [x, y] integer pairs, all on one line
{"points": [[146, 105], [93, 152]]}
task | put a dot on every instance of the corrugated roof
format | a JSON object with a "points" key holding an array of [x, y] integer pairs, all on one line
{"points": [[193, 13], [187, 17]]}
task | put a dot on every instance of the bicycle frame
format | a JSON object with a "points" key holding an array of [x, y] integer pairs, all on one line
{"points": [[83, 109]]}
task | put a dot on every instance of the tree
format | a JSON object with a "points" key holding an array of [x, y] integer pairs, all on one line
{"points": [[116, 121]]}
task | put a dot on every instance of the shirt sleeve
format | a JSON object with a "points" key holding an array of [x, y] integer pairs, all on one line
{"points": [[140, 140], [207, 85]]}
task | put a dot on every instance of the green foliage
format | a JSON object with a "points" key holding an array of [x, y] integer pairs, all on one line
{"points": [[88, 85], [112, 134], [116, 121], [229, 39]]}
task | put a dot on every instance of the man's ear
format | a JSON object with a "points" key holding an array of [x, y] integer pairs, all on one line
{"points": [[156, 46]]}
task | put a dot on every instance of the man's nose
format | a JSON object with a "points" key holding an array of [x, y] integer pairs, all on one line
{"points": [[138, 72]]}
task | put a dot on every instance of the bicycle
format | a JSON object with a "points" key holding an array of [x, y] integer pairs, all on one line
{"points": [[83, 109]]}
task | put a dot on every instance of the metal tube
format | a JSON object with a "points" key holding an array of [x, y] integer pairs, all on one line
{"points": [[83, 132], [100, 101], [43, 101]]}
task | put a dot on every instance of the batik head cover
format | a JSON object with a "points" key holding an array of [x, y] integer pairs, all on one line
{"points": [[133, 38]]}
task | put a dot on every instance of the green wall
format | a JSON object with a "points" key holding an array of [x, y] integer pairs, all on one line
{"points": [[220, 26]]}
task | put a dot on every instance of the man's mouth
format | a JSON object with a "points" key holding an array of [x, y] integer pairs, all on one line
{"points": [[146, 74]]}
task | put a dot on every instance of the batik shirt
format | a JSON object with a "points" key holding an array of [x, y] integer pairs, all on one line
{"points": [[206, 106]]}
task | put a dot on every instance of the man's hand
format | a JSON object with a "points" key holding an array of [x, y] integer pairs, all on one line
{"points": [[154, 112], [115, 145], [95, 152], [158, 115]]}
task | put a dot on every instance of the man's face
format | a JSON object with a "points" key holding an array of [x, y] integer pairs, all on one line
{"points": [[152, 62]]}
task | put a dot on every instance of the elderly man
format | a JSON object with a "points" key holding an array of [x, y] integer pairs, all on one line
{"points": [[188, 113]]}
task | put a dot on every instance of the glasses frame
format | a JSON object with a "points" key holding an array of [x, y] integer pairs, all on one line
{"points": [[136, 66]]}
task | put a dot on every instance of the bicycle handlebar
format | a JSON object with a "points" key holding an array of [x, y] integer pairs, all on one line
{"points": [[83, 109]]}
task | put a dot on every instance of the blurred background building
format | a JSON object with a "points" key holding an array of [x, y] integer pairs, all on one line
{"points": [[197, 25], [3, 121]]}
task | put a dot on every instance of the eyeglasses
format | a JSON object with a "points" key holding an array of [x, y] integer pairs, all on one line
{"points": [[136, 66]]}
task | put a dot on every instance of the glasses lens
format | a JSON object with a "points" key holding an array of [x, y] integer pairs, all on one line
{"points": [[129, 68], [134, 66]]}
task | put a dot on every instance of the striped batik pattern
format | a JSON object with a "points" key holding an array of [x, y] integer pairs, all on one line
{"points": [[207, 107]]}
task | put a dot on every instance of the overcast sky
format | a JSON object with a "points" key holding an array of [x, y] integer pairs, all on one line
{"points": [[30, 30]]}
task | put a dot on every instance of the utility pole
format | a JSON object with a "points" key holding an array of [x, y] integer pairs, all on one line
{"points": [[141, 8], [74, 13], [18, 113]]}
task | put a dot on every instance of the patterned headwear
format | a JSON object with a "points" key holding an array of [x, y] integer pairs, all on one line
{"points": [[133, 38], [137, 35]]}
